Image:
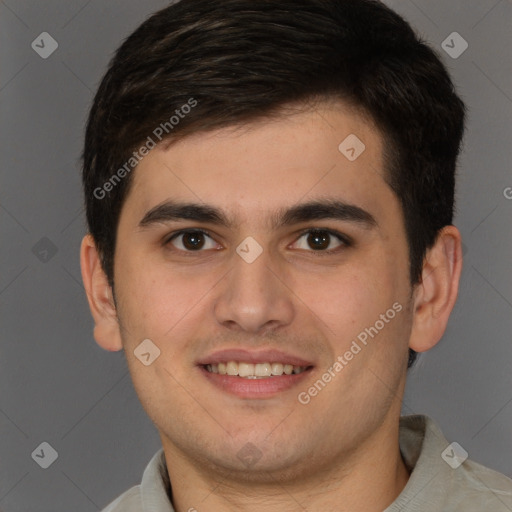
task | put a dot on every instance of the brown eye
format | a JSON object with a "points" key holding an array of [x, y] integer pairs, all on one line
{"points": [[322, 240], [318, 240], [193, 240]]}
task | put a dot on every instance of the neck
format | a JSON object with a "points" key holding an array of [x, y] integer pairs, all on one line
{"points": [[368, 479]]}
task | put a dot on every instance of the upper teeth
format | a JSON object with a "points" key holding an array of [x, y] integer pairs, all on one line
{"points": [[250, 370]]}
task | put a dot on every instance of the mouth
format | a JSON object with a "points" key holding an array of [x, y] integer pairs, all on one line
{"points": [[254, 375], [254, 371]]}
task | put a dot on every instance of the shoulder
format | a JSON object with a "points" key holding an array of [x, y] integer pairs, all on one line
{"points": [[129, 501], [476, 487], [442, 477]]}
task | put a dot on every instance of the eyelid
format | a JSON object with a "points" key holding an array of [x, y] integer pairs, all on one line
{"points": [[174, 234]]}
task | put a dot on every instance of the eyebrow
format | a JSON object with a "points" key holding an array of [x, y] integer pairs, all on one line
{"points": [[304, 212]]}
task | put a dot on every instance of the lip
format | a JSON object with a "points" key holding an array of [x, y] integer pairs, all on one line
{"points": [[247, 356], [266, 387]]}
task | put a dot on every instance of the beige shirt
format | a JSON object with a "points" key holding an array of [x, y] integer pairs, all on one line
{"points": [[442, 480]]}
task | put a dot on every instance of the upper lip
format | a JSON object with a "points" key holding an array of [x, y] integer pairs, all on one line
{"points": [[247, 356]]}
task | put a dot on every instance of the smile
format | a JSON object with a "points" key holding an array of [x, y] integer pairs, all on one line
{"points": [[254, 371]]}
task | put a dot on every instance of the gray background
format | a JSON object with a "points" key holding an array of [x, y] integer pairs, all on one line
{"points": [[57, 386]]}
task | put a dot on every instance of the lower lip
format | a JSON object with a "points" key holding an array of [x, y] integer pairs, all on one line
{"points": [[255, 388]]}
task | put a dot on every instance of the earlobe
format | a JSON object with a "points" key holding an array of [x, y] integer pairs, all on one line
{"points": [[435, 296], [99, 295]]}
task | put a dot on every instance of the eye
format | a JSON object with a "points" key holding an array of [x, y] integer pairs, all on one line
{"points": [[192, 240], [322, 240]]}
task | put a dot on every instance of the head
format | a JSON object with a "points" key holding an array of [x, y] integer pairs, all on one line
{"points": [[244, 108]]}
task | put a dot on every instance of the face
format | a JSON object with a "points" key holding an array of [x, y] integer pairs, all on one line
{"points": [[266, 250]]}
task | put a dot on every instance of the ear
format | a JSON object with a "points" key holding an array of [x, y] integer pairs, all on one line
{"points": [[101, 300], [435, 296]]}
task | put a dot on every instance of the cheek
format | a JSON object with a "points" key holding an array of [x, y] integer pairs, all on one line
{"points": [[155, 300], [349, 299]]}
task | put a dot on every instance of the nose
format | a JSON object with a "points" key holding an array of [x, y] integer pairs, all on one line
{"points": [[254, 297]]}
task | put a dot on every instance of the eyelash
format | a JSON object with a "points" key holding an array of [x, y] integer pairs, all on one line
{"points": [[344, 239]]}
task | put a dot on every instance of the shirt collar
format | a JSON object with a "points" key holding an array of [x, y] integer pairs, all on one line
{"points": [[421, 445], [155, 487]]}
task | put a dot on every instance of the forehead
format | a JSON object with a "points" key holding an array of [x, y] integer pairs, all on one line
{"points": [[267, 163]]}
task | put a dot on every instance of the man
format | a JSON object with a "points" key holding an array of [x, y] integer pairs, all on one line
{"points": [[269, 191]]}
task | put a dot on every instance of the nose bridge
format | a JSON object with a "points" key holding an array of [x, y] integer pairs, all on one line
{"points": [[253, 297]]}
